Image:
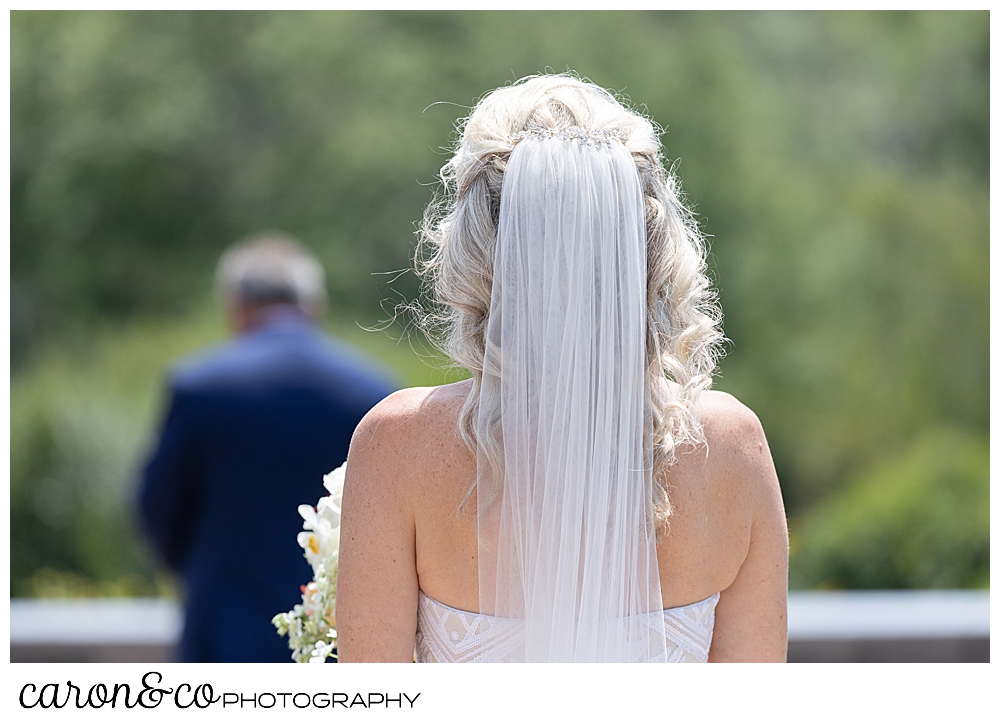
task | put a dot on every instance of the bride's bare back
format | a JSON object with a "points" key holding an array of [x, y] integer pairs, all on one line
{"points": [[408, 472]]}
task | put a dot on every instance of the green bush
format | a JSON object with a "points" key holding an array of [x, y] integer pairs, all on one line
{"points": [[921, 520], [81, 425]]}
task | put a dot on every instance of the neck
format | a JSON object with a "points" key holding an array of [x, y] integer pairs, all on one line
{"points": [[250, 319]]}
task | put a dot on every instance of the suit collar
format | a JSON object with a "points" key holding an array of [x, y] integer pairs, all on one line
{"points": [[277, 316]]}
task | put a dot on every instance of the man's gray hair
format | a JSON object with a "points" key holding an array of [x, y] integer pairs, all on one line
{"points": [[272, 268]]}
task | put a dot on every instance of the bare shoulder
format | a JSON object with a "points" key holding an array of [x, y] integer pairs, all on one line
{"points": [[750, 619], [737, 449], [391, 466], [731, 428], [727, 420], [408, 434], [409, 416]]}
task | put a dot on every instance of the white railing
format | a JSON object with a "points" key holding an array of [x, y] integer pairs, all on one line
{"points": [[849, 625], [887, 614], [126, 621]]}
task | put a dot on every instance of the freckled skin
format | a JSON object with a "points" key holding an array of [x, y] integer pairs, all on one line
{"points": [[408, 471]]}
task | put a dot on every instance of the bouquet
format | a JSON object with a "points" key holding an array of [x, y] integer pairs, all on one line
{"points": [[311, 625]]}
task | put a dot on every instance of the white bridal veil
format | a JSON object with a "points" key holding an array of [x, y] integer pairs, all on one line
{"points": [[567, 540]]}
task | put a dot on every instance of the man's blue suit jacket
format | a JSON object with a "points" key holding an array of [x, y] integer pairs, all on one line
{"points": [[251, 429]]}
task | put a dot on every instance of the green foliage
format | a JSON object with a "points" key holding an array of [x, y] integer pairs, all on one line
{"points": [[921, 520], [80, 423], [838, 161], [80, 428]]}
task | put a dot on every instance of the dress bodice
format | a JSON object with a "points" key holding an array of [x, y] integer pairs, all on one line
{"points": [[449, 635]]}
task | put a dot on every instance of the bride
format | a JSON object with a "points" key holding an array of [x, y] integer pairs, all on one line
{"points": [[583, 497]]}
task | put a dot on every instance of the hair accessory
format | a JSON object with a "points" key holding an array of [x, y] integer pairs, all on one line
{"points": [[573, 133], [567, 540]]}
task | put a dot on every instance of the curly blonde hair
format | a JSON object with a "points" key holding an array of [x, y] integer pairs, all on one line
{"points": [[455, 254]]}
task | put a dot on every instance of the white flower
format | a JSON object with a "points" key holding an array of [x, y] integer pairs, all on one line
{"points": [[310, 625], [321, 539], [321, 652], [328, 511], [334, 482], [308, 514]]}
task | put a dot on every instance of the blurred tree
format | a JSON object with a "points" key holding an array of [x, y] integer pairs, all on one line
{"points": [[838, 161], [921, 520]]}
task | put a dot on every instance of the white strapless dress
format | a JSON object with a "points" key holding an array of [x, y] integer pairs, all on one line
{"points": [[448, 635]]}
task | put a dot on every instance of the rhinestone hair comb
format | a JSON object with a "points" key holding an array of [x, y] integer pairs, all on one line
{"points": [[573, 133]]}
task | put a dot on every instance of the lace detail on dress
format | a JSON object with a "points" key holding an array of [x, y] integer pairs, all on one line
{"points": [[448, 635]]}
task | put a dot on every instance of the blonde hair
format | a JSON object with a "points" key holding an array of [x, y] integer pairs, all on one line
{"points": [[458, 234]]}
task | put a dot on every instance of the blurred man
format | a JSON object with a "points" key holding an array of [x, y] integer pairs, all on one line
{"points": [[252, 428]]}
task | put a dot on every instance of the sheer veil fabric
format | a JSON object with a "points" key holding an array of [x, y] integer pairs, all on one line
{"points": [[566, 533]]}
